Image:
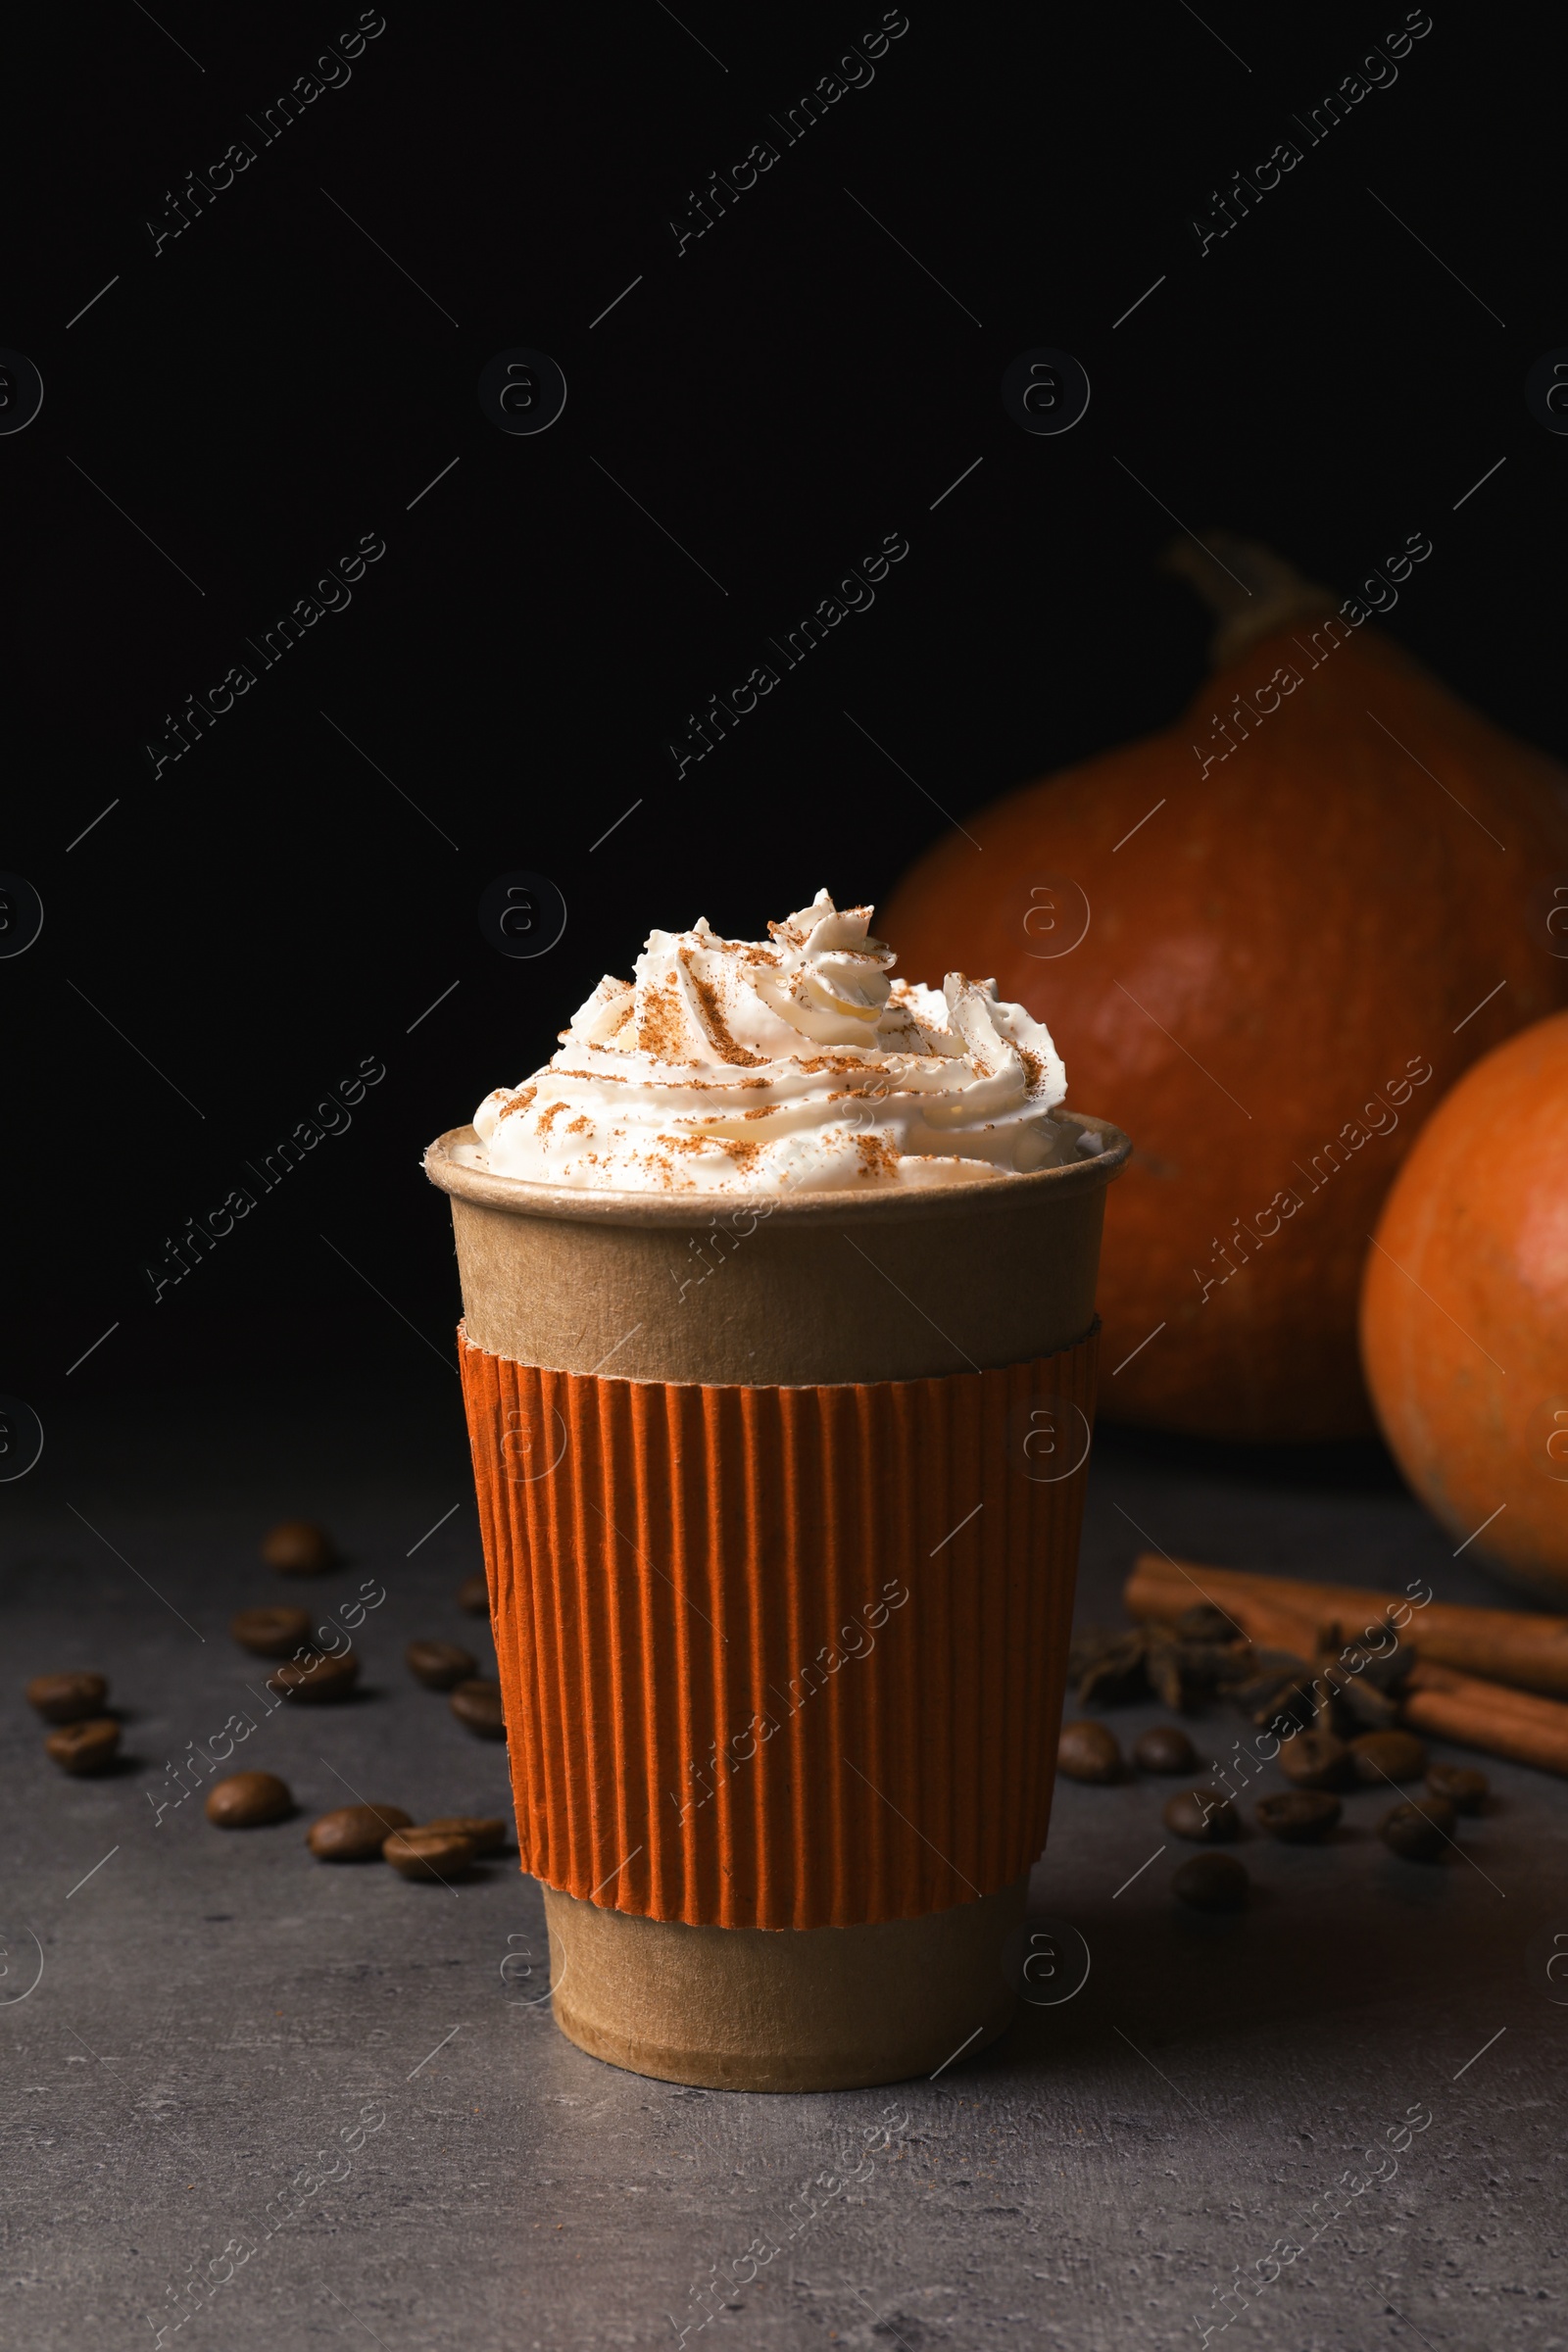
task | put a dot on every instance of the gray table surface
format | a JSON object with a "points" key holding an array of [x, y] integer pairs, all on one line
{"points": [[212, 2010]]}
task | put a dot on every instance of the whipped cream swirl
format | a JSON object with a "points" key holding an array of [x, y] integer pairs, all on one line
{"points": [[731, 1066]]}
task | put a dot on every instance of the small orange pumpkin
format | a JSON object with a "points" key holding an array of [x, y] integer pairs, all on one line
{"points": [[1266, 940], [1464, 1311]]}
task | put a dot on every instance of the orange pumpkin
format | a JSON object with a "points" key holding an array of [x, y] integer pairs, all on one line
{"points": [[1266, 941], [1464, 1310]]}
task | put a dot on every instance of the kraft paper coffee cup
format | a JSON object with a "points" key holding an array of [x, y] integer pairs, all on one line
{"points": [[780, 1499]]}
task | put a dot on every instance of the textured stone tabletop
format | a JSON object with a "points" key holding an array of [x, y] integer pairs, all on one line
{"points": [[216, 2012]]}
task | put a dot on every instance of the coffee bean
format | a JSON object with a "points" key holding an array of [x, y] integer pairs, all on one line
{"points": [[298, 1548], [355, 1833], [67, 1697], [316, 1679], [1204, 1814], [271, 1633], [474, 1595], [1317, 1760], [478, 1704], [247, 1799], [429, 1853], [1166, 1747], [1089, 1751], [1465, 1789], [1211, 1883], [1298, 1815], [487, 1833], [1420, 1832], [1384, 1757], [440, 1665], [81, 1748]]}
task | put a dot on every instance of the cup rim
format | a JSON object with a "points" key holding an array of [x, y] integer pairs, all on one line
{"points": [[521, 1196]]}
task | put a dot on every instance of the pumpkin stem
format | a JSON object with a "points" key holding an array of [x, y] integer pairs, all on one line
{"points": [[1252, 591]]}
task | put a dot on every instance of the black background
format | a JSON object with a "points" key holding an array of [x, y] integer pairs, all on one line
{"points": [[781, 395]]}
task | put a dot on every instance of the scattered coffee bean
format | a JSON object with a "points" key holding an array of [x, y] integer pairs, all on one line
{"points": [[474, 1595], [1211, 1883], [247, 1799], [1089, 1751], [67, 1697], [429, 1853], [1204, 1814], [84, 1746], [298, 1548], [1298, 1816], [1420, 1832], [271, 1633], [487, 1833], [316, 1679], [1317, 1760], [1166, 1748], [355, 1833], [1384, 1757], [1466, 1790], [440, 1665], [478, 1704]]}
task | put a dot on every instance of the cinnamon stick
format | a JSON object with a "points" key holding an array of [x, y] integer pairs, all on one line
{"points": [[1486, 1715], [1267, 1620], [1521, 1647]]}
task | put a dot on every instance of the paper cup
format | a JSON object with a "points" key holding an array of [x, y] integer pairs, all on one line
{"points": [[780, 1501]]}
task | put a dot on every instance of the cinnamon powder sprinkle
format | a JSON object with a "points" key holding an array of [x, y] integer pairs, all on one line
{"points": [[661, 1028], [519, 1102], [723, 1045], [687, 1084]]}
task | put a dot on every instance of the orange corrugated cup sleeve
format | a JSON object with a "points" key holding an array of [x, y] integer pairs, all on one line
{"points": [[781, 1658]]}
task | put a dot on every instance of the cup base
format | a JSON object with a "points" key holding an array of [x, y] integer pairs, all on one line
{"points": [[759, 2009]]}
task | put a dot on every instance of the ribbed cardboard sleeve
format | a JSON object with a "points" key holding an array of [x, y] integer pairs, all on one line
{"points": [[781, 1658]]}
